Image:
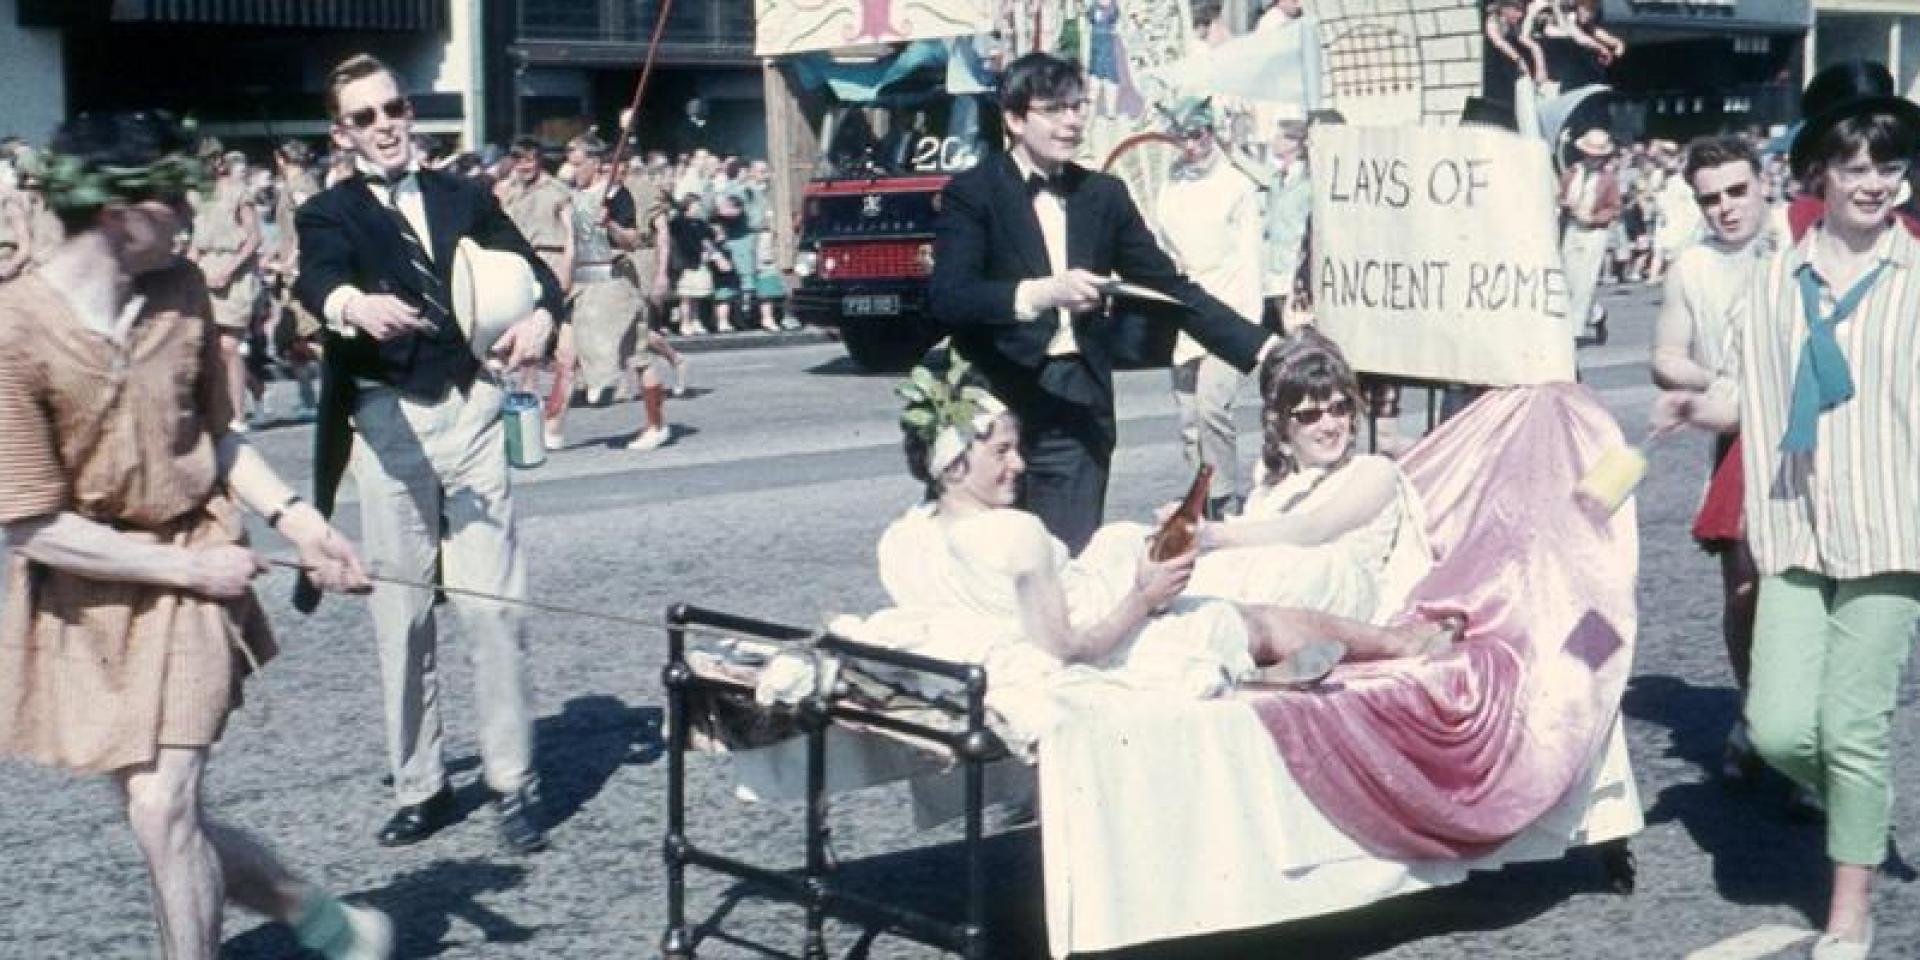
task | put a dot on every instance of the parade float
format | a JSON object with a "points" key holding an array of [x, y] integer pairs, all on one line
{"points": [[1434, 261]]}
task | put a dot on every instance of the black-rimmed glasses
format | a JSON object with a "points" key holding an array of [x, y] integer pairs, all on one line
{"points": [[363, 118]]}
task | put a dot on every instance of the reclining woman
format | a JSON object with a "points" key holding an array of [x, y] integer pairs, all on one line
{"points": [[967, 550], [1322, 529]]}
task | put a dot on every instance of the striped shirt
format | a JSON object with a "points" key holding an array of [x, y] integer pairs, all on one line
{"points": [[1851, 508]]}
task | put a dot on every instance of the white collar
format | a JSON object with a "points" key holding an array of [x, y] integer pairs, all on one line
{"points": [[377, 175]]}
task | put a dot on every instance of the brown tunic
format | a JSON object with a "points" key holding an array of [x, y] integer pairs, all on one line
{"points": [[543, 212], [96, 675]]}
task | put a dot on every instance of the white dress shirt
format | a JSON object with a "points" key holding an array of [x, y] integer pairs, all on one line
{"points": [[407, 199], [1050, 209]]}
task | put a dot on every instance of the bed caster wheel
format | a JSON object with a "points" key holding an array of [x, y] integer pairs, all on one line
{"points": [[676, 945], [1622, 870]]}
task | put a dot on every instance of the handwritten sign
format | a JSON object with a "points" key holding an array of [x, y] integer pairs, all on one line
{"points": [[1436, 254]]}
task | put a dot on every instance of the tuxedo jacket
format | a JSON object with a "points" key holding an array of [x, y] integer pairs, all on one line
{"points": [[987, 239], [348, 237]]}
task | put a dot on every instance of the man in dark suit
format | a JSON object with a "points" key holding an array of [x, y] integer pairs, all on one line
{"points": [[376, 255], [1022, 248]]}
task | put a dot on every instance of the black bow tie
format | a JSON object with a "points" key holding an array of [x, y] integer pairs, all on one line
{"points": [[1056, 184]]}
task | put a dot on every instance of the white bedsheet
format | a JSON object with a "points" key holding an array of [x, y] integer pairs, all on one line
{"points": [[1164, 817]]}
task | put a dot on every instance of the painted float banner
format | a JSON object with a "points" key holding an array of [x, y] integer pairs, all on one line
{"points": [[1436, 254], [799, 26]]}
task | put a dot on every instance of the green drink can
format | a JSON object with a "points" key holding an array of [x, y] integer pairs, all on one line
{"points": [[526, 432]]}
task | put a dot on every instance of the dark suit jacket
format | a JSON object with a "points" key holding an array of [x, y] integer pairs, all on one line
{"points": [[987, 240], [347, 237]]}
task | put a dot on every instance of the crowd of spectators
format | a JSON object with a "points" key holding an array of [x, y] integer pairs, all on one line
{"points": [[725, 272]]}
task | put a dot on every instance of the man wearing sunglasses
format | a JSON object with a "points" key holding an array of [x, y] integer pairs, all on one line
{"points": [[376, 257], [1706, 289], [1023, 249]]}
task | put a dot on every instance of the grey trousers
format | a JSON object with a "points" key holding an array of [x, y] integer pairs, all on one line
{"points": [[434, 492], [1204, 390]]}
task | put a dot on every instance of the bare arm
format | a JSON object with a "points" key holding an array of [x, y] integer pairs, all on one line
{"points": [[1364, 489], [1673, 333], [563, 212], [1048, 624], [1528, 24], [72, 543], [1497, 38]]}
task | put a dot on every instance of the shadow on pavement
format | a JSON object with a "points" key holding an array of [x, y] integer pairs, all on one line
{"points": [[1727, 821], [581, 747], [422, 904], [930, 880], [1485, 902]]}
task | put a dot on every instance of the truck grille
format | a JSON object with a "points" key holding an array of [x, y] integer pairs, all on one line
{"points": [[876, 261]]}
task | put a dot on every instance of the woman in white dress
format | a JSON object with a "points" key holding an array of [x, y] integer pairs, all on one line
{"points": [[969, 552], [1322, 529]]}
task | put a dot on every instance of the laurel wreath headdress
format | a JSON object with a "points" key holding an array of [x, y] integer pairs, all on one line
{"points": [[946, 412], [73, 184]]}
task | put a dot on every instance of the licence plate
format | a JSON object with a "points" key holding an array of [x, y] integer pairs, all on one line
{"points": [[874, 305]]}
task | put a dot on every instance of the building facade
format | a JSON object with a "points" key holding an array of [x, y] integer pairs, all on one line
{"points": [[1883, 30], [1696, 67], [570, 64], [248, 71]]}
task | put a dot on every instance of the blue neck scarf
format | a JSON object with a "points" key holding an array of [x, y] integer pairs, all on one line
{"points": [[1822, 380]]}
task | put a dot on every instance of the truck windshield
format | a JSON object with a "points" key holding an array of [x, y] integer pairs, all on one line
{"points": [[943, 135]]}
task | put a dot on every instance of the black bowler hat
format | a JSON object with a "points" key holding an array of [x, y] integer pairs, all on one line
{"points": [[1846, 90]]}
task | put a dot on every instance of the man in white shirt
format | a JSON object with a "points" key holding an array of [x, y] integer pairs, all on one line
{"points": [[1210, 219], [1706, 297]]}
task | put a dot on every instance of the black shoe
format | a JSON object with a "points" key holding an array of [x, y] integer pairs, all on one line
{"points": [[518, 816], [418, 821]]}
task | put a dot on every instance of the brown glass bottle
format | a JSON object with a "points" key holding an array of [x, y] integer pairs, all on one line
{"points": [[1177, 533]]}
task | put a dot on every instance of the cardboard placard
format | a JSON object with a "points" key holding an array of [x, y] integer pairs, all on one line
{"points": [[1436, 254]]}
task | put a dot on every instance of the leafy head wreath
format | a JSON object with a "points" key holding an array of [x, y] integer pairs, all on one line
{"points": [[73, 184], [947, 414]]}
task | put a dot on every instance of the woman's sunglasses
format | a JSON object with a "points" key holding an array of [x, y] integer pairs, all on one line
{"points": [[1308, 416], [363, 118]]}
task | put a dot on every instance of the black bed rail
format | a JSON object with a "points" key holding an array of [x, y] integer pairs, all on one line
{"points": [[972, 747]]}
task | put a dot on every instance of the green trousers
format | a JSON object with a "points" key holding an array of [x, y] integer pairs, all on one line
{"points": [[1827, 659]]}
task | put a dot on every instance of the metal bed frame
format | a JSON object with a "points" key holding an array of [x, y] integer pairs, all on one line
{"points": [[972, 747]]}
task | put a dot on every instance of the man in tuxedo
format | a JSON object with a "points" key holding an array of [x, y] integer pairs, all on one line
{"points": [[376, 256], [1022, 248]]}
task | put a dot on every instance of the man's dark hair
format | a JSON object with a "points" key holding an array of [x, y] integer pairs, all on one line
{"points": [[524, 147], [126, 139], [1039, 76], [1706, 152], [357, 67]]}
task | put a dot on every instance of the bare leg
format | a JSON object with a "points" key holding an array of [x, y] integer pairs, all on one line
{"points": [[236, 367], [1847, 911], [191, 862], [675, 359], [1276, 633], [1740, 582]]}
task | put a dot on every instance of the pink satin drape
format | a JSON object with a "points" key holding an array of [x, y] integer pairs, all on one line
{"points": [[1449, 758]]}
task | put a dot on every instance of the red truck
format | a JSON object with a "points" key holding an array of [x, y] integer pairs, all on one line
{"points": [[866, 219]]}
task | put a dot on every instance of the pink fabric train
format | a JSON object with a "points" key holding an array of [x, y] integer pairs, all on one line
{"points": [[1449, 759]]}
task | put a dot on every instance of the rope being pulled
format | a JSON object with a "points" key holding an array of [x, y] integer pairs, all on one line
{"points": [[651, 623]]}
